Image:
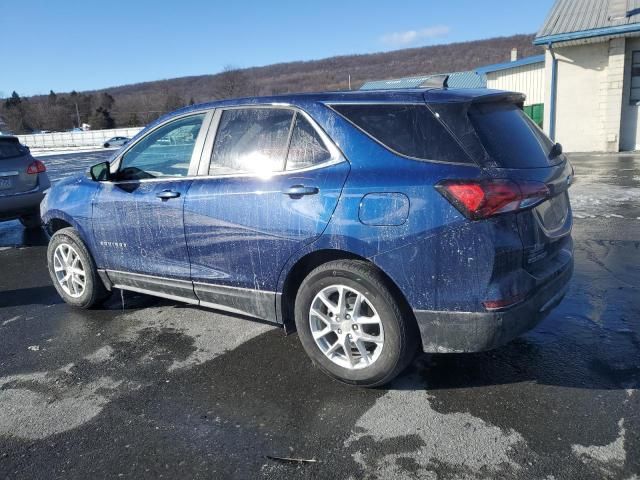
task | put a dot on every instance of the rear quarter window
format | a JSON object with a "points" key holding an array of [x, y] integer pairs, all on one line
{"points": [[407, 129]]}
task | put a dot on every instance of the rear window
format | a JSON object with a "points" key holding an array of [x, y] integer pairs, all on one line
{"points": [[9, 148], [251, 140], [410, 130], [510, 137]]}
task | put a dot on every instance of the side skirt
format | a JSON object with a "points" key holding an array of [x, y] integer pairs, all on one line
{"points": [[244, 301]]}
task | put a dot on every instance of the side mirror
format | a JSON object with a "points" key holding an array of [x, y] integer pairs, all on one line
{"points": [[100, 172]]}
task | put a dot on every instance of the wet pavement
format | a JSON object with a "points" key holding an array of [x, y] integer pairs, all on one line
{"points": [[147, 388]]}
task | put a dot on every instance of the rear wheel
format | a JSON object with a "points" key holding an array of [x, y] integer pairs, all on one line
{"points": [[31, 221], [73, 271], [351, 325]]}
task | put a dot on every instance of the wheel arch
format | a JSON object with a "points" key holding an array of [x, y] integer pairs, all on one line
{"points": [[55, 224], [57, 219], [307, 263]]}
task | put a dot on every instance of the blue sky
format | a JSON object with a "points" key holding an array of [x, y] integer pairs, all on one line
{"points": [[65, 45]]}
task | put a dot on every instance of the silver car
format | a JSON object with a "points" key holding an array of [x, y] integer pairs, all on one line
{"points": [[23, 181], [116, 142]]}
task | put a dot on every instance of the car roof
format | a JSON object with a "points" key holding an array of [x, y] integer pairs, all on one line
{"points": [[416, 95], [409, 95]]}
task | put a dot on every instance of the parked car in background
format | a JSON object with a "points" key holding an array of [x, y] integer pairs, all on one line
{"points": [[116, 142], [23, 181], [375, 223]]}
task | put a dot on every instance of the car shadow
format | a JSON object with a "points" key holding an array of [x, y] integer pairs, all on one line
{"points": [[13, 234], [524, 360], [44, 295]]}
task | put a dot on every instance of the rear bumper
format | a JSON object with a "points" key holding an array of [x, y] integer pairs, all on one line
{"points": [[449, 332], [17, 204]]}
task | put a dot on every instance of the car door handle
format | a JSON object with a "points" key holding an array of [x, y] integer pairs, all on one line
{"points": [[167, 194], [300, 190]]}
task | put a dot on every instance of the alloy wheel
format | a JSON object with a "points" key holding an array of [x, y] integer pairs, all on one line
{"points": [[69, 270], [346, 327]]}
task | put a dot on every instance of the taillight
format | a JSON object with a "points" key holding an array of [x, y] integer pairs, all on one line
{"points": [[477, 199], [503, 302], [36, 167]]}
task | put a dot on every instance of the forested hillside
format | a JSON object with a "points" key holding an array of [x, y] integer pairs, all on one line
{"points": [[138, 104]]}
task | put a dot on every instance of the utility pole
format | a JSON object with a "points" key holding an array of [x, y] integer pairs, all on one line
{"points": [[349, 81], [78, 116]]}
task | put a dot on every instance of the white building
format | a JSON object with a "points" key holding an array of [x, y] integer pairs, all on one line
{"points": [[592, 74], [526, 75]]}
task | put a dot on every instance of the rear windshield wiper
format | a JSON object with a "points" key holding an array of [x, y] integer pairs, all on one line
{"points": [[555, 151]]}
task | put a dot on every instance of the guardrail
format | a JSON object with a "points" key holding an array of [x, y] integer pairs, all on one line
{"points": [[89, 138]]}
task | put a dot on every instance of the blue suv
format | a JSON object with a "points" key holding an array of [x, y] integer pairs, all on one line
{"points": [[374, 223]]}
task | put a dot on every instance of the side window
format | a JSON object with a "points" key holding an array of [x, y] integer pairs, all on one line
{"points": [[410, 130], [307, 148], [634, 97], [251, 140], [164, 153]]}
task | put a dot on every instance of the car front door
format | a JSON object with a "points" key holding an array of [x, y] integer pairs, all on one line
{"points": [[138, 219], [270, 187]]}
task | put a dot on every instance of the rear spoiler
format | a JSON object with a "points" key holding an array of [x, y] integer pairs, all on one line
{"points": [[474, 96]]}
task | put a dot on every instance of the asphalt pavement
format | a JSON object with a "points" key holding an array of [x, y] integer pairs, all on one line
{"points": [[148, 388]]}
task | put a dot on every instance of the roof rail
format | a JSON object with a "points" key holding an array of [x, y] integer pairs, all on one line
{"points": [[436, 81]]}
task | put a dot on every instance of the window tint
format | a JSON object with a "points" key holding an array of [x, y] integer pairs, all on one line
{"points": [[251, 140], [410, 130], [307, 148], [164, 153], [10, 148], [510, 137]]}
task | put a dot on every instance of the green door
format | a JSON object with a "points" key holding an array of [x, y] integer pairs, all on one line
{"points": [[535, 112]]}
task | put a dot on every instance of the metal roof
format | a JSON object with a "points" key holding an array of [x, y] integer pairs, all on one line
{"points": [[516, 63], [578, 19], [456, 80]]}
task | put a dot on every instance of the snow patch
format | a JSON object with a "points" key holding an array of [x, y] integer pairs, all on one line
{"points": [[608, 458], [101, 355], [28, 412], [465, 443]]}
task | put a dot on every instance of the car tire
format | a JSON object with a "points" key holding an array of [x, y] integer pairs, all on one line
{"points": [[31, 221], [395, 333], [66, 257]]}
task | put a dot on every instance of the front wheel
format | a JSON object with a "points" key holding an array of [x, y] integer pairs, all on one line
{"points": [[73, 271], [352, 326]]}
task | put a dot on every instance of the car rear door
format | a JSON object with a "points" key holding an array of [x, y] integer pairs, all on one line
{"points": [[269, 187], [138, 216]]}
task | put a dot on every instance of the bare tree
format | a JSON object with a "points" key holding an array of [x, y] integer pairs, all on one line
{"points": [[146, 101], [231, 82]]}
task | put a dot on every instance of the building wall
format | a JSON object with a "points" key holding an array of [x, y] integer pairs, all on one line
{"points": [[527, 79], [582, 71], [610, 95]]}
